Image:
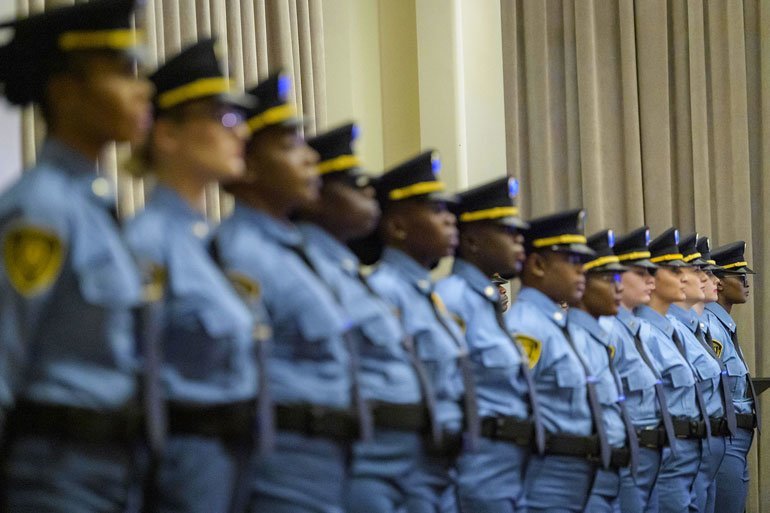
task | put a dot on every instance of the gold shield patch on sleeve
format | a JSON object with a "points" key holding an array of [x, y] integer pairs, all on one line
{"points": [[531, 347], [154, 278], [611, 351], [717, 346], [33, 258]]}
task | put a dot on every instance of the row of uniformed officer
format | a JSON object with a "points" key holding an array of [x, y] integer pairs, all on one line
{"points": [[170, 366]]}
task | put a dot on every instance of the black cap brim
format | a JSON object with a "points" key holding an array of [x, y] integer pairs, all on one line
{"points": [[610, 268], [643, 262], [513, 222], [576, 248], [736, 271], [242, 101], [440, 196], [673, 263]]}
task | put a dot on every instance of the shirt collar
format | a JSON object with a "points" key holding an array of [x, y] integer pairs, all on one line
{"points": [[628, 320], [721, 314], [587, 322], [66, 158], [330, 246], [409, 267], [654, 318], [552, 310], [273, 229], [170, 201], [476, 279], [687, 317]]}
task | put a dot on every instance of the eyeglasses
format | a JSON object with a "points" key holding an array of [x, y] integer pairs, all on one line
{"points": [[228, 117], [610, 277]]}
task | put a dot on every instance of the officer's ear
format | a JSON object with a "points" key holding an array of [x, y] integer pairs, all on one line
{"points": [[164, 137], [469, 241], [536, 264], [394, 227], [720, 286]]}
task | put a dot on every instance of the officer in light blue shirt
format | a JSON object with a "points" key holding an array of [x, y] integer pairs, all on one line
{"points": [[309, 369], [417, 230], [733, 289], [680, 461], [684, 317], [553, 273], [209, 366], [602, 297], [491, 478], [389, 381], [642, 384], [68, 283]]}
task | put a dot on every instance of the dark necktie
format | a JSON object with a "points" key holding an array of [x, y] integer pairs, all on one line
{"points": [[363, 413], [698, 384], [470, 408], [668, 424], [605, 452], [149, 321], [727, 396], [426, 389], [148, 327], [633, 441], [262, 335], [533, 400], [752, 391]]}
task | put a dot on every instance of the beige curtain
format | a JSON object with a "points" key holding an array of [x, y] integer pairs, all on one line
{"points": [[256, 36], [650, 111]]}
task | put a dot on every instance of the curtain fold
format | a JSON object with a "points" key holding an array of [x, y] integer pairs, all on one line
{"points": [[649, 111]]}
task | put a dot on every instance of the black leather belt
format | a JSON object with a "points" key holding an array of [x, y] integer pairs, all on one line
{"points": [[561, 444], [412, 417], [234, 421], [620, 457], [315, 420], [509, 429], [686, 428], [719, 426], [652, 438], [746, 420], [76, 424]]}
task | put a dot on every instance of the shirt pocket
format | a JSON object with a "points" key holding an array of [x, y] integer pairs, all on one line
{"points": [[497, 357], [200, 340], [381, 330], [571, 382], [108, 280], [637, 387], [681, 376]]}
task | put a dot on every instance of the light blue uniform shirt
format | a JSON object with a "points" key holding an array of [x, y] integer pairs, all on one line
{"points": [[637, 378], [386, 372], [706, 368], [677, 375], [77, 334], [593, 342], [722, 327], [405, 284], [308, 363], [471, 297], [559, 376], [208, 352]]}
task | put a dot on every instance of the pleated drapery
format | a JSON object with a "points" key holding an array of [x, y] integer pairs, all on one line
{"points": [[649, 112]]}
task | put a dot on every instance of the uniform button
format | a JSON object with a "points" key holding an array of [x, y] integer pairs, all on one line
{"points": [[200, 229], [101, 187], [558, 316], [424, 285], [348, 265], [489, 291]]}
